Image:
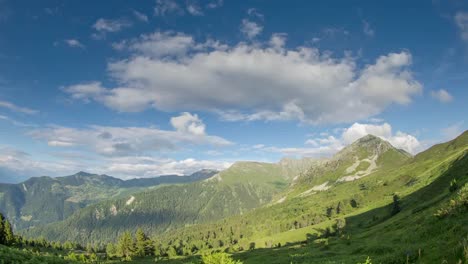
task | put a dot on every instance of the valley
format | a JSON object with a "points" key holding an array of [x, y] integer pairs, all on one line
{"points": [[298, 211]]}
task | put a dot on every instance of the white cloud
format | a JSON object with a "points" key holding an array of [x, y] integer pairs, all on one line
{"points": [[194, 9], [252, 81], [74, 43], [358, 130], [85, 90], [22, 165], [140, 16], [130, 167], [328, 145], [12, 107], [124, 141], [215, 4], [188, 123], [367, 29], [159, 44], [253, 12], [278, 40], [250, 28], [461, 19], [442, 95], [399, 140], [165, 7], [109, 25]]}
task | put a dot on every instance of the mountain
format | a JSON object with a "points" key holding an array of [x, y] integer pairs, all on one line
{"points": [[169, 179], [235, 191], [403, 210], [411, 213], [41, 200], [242, 187], [357, 160]]}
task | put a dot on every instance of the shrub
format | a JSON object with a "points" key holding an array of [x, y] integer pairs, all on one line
{"points": [[368, 261], [456, 206], [453, 185], [219, 258]]}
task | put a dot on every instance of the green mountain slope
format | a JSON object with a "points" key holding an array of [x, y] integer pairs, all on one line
{"points": [[352, 220], [235, 191], [43, 200], [405, 210]]}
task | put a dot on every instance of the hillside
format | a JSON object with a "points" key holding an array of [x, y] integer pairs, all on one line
{"points": [[234, 191], [411, 213], [414, 212], [41, 200]]}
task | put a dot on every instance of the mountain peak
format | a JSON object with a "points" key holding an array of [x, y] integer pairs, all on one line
{"points": [[372, 142], [366, 147], [83, 173], [369, 137]]}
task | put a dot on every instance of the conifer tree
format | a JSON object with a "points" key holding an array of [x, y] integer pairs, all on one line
{"points": [[8, 236], [2, 230], [396, 204], [125, 247], [111, 250], [141, 243]]}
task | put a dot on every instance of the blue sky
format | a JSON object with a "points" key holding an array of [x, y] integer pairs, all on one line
{"points": [[142, 88]]}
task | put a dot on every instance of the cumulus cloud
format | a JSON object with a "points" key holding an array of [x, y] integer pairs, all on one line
{"points": [[159, 44], [85, 90], [124, 141], [399, 139], [442, 96], [327, 145], [461, 20], [21, 165], [130, 167], [252, 81], [188, 123], [74, 43], [250, 28], [15, 108]]}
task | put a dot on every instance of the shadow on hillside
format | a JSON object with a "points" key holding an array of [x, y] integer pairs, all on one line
{"points": [[414, 203]]}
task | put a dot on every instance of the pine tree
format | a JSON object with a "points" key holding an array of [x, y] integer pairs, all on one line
{"points": [[93, 258], [2, 230], [171, 252], [339, 208], [111, 250], [141, 243], [125, 247], [396, 204], [8, 237], [68, 245]]}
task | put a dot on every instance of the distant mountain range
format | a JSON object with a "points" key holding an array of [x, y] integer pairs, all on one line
{"points": [[235, 191], [370, 199], [41, 200]]}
